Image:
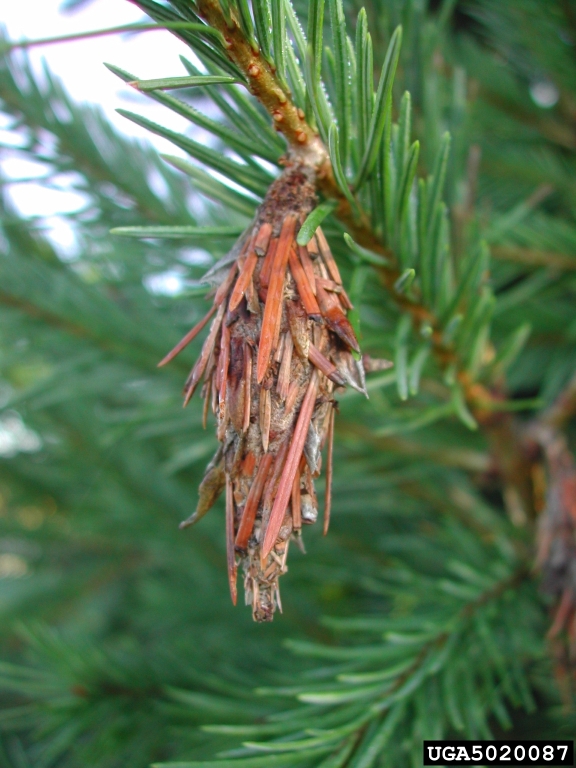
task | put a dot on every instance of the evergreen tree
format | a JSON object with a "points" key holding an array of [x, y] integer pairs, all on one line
{"points": [[441, 140]]}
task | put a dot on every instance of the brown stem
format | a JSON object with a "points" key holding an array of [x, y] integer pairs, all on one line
{"points": [[288, 119], [261, 77]]}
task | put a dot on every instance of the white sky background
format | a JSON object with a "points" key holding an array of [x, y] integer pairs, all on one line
{"points": [[79, 65]]}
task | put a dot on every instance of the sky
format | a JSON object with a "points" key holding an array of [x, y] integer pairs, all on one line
{"points": [[80, 66]]}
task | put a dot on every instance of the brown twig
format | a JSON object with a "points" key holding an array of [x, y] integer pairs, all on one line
{"points": [[556, 556], [261, 77], [557, 553], [287, 118]]}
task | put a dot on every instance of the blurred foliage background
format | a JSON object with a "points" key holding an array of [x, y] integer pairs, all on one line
{"points": [[119, 644]]}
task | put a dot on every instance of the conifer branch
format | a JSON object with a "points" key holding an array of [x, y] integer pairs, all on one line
{"points": [[306, 145], [384, 699], [265, 85], [442, 587]]}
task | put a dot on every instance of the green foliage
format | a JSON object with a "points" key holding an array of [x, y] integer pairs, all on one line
{"points": [[416, 618]]}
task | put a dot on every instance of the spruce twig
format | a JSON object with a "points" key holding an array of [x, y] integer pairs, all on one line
{"points": [[305, 143]]}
